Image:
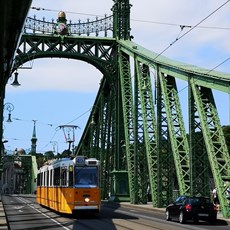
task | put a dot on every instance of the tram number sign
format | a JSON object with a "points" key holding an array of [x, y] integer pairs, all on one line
{"points": [[80, 161]]}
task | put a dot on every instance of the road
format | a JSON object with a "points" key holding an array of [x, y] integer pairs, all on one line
{"points": [[24, 213]]}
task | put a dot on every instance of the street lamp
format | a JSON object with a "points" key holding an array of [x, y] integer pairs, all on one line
{"points": [[15, 82], [9, 107]]}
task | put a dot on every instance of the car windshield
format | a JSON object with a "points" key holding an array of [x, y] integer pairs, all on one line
{"points": [[86, 177]]}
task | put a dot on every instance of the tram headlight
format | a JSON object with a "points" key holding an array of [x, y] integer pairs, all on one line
{"points": [[87, 199]]}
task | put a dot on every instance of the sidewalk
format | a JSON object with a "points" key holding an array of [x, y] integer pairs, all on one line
{"points": [[3, 220], [149, 207]]}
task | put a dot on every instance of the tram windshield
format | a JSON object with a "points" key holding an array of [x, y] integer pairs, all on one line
{"points": [[86, 177]]}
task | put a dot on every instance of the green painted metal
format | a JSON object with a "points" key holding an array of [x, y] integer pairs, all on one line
{"points": [[96, 27], [140, 138], [214, 141], [148, 136], [121, 19], [139, 147], [96, 51], [199, 164], [128, 121], [177, 132], [166, 168], [203, 77]]}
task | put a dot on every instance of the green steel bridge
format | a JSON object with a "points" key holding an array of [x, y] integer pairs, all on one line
{"points": [[136, 127]]}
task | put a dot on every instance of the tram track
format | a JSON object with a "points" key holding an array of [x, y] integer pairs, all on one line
{"points": [[24, 213]]}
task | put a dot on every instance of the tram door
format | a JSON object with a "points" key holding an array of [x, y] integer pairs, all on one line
{"points": [[64, 189]]}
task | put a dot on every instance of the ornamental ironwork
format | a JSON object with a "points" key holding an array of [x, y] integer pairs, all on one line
{"points": [[98, 27]]}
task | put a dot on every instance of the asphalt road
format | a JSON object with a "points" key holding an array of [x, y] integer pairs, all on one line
{"points": [[24, 213]]}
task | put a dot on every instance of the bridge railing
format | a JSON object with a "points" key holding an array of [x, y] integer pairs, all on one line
{"points": [[99, 27]]}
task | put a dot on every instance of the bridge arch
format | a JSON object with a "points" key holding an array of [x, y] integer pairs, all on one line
{"points": [[97, 52], [94, 63]]}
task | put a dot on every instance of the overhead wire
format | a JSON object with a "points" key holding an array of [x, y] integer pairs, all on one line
{"points": [[162, 23], [209, 71], [182, 26], [136, 20], [68, 12], [56, 130], [51, 125], [218, 65], [192, 28], [176, 25]]}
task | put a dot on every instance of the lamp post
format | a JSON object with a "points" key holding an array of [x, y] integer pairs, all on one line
{"points": [[9, 107], [15, 83]]}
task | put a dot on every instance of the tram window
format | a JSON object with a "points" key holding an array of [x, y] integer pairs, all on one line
{"points": [[42, 179], [51, 177], [64, 176], [39, 179], [57, 176], [70, 175], [47, 178], [86, 176]]}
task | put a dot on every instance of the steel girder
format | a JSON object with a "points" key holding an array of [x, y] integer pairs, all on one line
{"points": [[204, 77], [128, 121], [199, 176], [147, 151], [199, 164], [139, 148], [214, 140], [177, 134], [166, 176], [97, 51]]}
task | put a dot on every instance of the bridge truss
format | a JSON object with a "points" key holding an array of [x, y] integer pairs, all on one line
{"points": [[136, 127]]}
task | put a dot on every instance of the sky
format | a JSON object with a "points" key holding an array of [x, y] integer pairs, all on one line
{"points": [[56, 92]]}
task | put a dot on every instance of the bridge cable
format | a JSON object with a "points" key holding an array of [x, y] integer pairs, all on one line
{"points": [[178, 38]]}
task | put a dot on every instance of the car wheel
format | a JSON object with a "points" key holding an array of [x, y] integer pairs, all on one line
{"points": [[181, 218], [167, 216]]}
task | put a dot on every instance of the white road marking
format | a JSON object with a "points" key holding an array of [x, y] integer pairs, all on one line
{"points": [[19, 207], [31, 206]]}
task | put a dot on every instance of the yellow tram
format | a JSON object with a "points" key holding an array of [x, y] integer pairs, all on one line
{"points": [[70, 185]]}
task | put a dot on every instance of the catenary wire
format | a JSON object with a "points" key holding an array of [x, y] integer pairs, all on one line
{"points": [[170, 24], [137, 20], [183, 35], [182, 26]]}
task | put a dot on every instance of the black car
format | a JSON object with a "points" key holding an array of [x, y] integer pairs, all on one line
{"points": [[192, 208]]}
